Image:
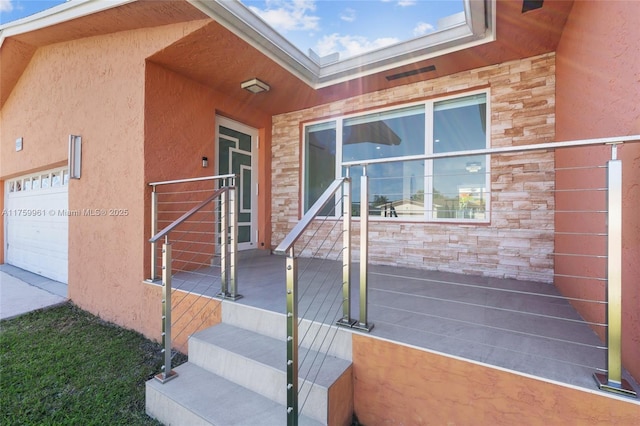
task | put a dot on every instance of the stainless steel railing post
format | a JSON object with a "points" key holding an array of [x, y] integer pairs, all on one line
{"points": [[224, 246], [154, 230], [292, 338], [167, 373], [346, 320], [233, 242], [362, 323], [613, 381]]}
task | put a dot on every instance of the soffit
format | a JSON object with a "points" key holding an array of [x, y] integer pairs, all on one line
{"points": [[217, 58], [129, 16], [221, 60]]}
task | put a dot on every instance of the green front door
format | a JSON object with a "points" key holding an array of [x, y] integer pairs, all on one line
{"points": [[237, 150]]}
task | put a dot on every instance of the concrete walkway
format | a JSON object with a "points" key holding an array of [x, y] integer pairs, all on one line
{"points": [[22, 292]]}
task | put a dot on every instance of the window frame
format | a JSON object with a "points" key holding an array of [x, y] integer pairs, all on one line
{"points": [[17, 185], [428, 216]]}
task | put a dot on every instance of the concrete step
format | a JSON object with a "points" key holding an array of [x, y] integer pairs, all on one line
{"points": [[319, 337], [199, 397], [258, 363]]}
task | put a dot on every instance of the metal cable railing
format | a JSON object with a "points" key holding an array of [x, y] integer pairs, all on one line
{"points": [[321, 303], [325, 295], [525, 222], [199, 235]]}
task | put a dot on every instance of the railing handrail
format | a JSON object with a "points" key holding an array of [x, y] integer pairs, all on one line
{"points": [[167, 182], [311, 214], [187, 215], [500, 150]]}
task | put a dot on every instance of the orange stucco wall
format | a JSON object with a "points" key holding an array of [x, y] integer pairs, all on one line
{"points": [[94, 87], [598, 88], [139, 123], [13, 53], [180, 129], [398, 385]]}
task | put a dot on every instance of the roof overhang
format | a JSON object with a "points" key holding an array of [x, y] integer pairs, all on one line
{"points": [[62, 13], [477, 27], [491, 32]]}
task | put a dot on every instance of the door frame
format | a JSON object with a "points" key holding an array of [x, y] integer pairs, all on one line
{"points": [[253, 133]]}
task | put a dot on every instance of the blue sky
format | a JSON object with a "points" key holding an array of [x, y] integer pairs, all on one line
{"points": [[10, 10], [326, 26], [352, 27]]}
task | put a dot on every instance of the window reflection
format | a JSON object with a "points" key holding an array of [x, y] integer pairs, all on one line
{"points": [[320, 161], [457, 192], [395, 189], [387, 134], [459, 183]]}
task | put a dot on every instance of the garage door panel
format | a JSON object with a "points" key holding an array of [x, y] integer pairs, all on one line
{"points": [[37, 227], [40, 262], [39, 246], [50, 198]]}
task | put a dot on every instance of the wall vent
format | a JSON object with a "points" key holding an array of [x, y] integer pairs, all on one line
{"points": [[410, 73]]}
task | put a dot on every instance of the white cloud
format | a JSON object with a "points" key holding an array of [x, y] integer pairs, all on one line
{"points": [[6, 6], [401, 3], [348, 45], [423, 28], [289, 15], [348, 15]]}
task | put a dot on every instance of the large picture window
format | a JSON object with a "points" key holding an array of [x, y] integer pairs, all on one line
{"points": [[406, 186]]}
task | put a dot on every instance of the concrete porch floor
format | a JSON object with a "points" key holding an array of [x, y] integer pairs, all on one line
{"points": [[522, 326]]}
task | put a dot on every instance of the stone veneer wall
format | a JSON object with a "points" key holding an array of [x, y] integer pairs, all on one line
{"points": [[518, 241]]}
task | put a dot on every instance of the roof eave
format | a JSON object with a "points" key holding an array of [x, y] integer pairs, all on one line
{"points": [[478, 28], [62, 13]]}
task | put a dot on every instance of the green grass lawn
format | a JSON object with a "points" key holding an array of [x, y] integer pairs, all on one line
{"points": [[64, 366]]}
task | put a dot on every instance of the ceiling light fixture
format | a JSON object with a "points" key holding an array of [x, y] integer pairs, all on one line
{"points": [[255, 86]]}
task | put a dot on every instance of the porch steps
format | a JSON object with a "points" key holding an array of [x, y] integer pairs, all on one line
{"points": [[198, 397], [236, 375]]}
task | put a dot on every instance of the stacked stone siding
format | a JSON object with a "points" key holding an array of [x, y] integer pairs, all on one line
{"points": [[518, 240]]}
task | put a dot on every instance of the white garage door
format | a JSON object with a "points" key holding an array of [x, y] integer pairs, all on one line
{"points": [[36, 223]]}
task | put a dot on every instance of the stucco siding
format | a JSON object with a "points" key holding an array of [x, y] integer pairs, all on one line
{"points": [[400, 385], [94, 88]]}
